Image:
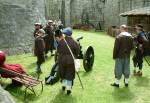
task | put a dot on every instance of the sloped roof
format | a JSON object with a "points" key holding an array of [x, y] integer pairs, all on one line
{"points": [[140, 11]]}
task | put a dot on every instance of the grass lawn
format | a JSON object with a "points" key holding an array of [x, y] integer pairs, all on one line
{"points": [[96, 83]]}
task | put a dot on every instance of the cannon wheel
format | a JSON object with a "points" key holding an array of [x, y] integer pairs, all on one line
{"points": [[88, 59]]}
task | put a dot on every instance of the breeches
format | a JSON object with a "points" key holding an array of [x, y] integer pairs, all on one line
{"points": [[122, 66]]}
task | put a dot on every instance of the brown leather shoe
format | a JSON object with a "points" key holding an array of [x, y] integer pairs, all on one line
{"points": [[134, 72], [63, 88], [139, 73], [68, 92], [115, 85]]}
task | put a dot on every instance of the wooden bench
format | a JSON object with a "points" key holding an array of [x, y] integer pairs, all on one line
{"points": [[26, 80]]}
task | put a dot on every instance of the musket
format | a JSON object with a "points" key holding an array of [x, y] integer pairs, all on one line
{"points": [[147, 61], [135, 37], [80, 80]]}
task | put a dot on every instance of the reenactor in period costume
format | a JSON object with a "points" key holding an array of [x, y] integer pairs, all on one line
{"points": [[38, 26], [49, 38], [39, 49], [55, 26], [58, 37], [142, 42], [121, 54], [60, 25], [65, 60]]}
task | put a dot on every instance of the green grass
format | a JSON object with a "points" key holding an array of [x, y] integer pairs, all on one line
{"points": [[96, 83]]}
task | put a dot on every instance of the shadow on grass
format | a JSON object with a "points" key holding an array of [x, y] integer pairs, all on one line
{"points": [[84, 73], [33, 73], [123, 94], [142, 81], [48, 58], [18, 92], [63, 98], [32, 65], [36, 75]]}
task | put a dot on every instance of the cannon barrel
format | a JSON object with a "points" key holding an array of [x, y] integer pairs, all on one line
{"points": [[79, 38]]}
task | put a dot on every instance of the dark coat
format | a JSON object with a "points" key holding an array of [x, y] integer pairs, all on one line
{"points": [[123, 46], [142, 39], [35, 32], [39, 49], [65, 60], [49, 38]]}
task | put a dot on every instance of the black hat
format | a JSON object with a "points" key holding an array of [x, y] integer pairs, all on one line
{"points": [[58, 33]]}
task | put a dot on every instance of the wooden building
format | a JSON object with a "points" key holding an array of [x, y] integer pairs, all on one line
{"points": [[138, 16]]}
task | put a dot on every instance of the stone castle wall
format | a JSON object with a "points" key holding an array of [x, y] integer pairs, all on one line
{"points": [[16, 24], [17, 17]]}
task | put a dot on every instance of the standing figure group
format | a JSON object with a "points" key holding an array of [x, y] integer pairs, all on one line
{"points": [[122, 50], [68, 48], [44, 42], [45, 39]]}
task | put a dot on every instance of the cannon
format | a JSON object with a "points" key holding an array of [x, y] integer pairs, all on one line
{"points": [[88, 61], [87, 56]]}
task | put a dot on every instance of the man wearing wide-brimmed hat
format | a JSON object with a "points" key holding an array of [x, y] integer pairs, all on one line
{"points": [[39, 49], [49, 38], [37, 27]]}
